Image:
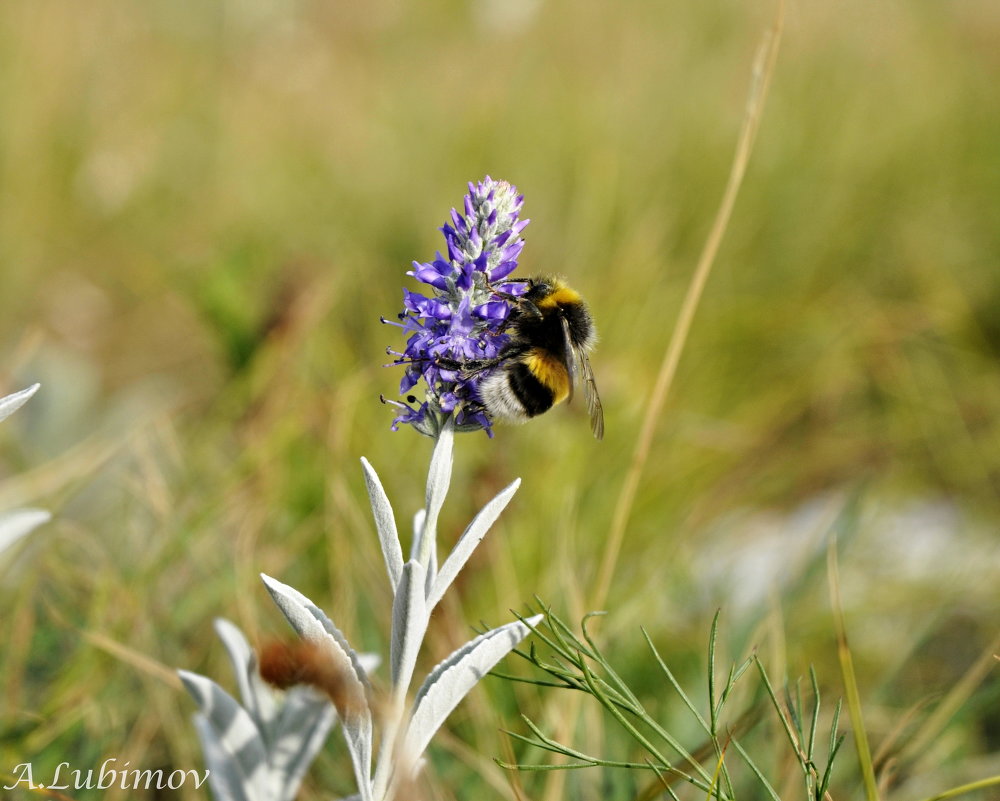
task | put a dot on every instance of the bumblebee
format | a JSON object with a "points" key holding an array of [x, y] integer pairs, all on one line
{"points": [[551, 332]]}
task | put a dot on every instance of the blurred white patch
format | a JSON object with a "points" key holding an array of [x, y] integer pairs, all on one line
{"points": [[920, 541], [752, 556], [748, 558], [504, 16]]}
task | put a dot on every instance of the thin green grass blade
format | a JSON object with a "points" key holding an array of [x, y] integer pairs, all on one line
{"points": [[782, 716], [570, 643], [720, 770], [676, 685], [527, 680], [814, 722], [619, 687], [834, 725], [666, 785], [703, 783], [713, 712], [737, 673], [756, 771], [954, 792], [834, 748], [601, 696], [558, 647]]}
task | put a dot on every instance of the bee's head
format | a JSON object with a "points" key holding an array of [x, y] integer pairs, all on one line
{"points": [[539, 288], [552, 293]]}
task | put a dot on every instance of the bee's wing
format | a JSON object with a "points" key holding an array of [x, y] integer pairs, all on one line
{"points": [[569, 356], [577, 363], [594, 407]]}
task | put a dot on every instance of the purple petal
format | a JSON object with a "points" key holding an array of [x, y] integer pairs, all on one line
{"points": [[429, 274], [495, 311], [502, 270]]}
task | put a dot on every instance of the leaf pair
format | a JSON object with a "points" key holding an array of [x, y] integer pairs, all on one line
{"points": [[259, 751]]}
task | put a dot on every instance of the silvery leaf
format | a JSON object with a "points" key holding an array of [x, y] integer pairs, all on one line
{"points": [[432, 570], [229, 735], [294, 733], [385, 523], [303, 723], [409, 624], [431, 566], [258, 698], [452, 679], [19, 523], [310, 622], [438, 479], [11, 403], [418, 529], [467, 543], [225, 776]]}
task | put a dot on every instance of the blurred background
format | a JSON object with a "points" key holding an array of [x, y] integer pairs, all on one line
{"points": [[206, 206]]}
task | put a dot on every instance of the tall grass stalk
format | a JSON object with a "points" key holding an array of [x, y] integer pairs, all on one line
{"points": [[763, 70]]}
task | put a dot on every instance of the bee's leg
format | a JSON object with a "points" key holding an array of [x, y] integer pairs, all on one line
{"points": [[517, 301], [521, 307], [446, 363], [529, 281], [469, 367], [521, 304], [478, 365], [532, 309]]}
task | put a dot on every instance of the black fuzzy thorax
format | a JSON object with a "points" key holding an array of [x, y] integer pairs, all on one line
{"points": [[534, 332]]}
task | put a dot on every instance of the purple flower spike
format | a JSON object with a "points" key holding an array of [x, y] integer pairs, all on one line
{"points": [[462, 316]]}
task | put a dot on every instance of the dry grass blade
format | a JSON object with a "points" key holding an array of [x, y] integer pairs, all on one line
{"points": [[850, 680], [954, 792], [763, 70], [134, 658], [950, 704]]}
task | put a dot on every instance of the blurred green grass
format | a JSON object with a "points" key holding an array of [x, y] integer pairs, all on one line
{"points": [[205, 208]]}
